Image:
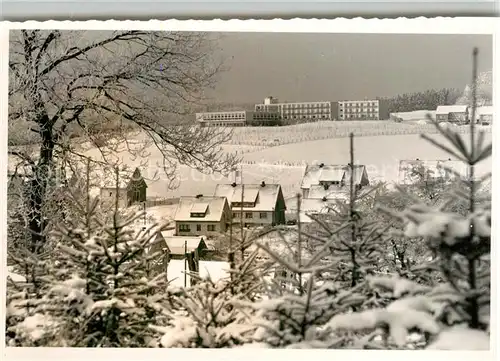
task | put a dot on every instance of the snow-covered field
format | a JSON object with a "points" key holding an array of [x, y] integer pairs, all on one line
{"points": [[285, 164], [215, 270], [272, 136], [380, 154], [416, 115]]}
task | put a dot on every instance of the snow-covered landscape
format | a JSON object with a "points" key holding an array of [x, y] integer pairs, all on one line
{"points": [[325, 234]]}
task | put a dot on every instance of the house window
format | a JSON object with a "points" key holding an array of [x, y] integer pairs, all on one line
{"points": [[262, 215], [110, 194], [211, 228], [198, 227], [184, 228], [248, 215]]}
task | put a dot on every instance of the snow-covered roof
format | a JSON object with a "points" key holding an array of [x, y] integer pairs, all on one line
{"points": [[179, 244], [314, 206], [485, 110], [201, 207], [316, 173], [331, 173], [214, 211], [333, 192], [446, 109], [216, 270], [162, 213], [265, 196], [436, 169]]}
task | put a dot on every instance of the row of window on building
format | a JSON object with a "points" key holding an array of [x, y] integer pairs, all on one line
{"points": [[271, 112]]}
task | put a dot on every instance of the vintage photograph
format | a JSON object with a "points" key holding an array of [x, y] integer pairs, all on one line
{"points": [[223, 189]]}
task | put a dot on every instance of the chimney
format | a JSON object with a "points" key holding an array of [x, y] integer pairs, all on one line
{"points": [[263, 184], [321, 165], [199, 195], [324, 199], [233, 184]]}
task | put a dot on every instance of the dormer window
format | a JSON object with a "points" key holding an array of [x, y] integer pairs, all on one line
{"points": [[244, 204], [197, 215], [199, 210]]}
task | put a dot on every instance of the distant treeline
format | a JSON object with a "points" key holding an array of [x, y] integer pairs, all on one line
{"points": [[428, 100]]}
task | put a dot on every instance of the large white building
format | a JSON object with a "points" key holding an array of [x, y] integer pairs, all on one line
{"points": [[299, 112], [363, 110], [239, 118]]}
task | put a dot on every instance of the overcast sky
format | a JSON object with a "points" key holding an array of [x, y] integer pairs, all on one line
{"points": [[308, 67]]}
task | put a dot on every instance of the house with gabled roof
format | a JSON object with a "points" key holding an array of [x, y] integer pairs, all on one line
{"points": [[452, 113], [331, 176], [202, 215], [484, 114], [178, 246], [131, 189], [263, 204]]}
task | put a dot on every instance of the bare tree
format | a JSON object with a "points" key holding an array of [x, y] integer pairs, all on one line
{"points": [[66, 83]]}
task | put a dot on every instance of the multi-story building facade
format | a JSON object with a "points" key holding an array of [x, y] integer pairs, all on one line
{"points": [[299, 112], [240, 118], [363, 110]]}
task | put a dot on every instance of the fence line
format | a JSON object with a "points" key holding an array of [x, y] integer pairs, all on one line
{"points": [[161, 202], [299, 137]]}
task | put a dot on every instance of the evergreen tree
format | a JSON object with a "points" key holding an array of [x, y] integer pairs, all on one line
{"points": [[97, 291], [330, 263], [452, 313]]}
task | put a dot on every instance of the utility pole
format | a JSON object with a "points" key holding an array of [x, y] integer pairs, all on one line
{"points": [[185, 263], [241, 215]]}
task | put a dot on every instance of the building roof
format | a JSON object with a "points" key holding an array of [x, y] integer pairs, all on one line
{"points": [[485, 110], [216, 270], [179, 244], [316, 173], [333, 192], [309, 205], [446, 109], [265, 196], [214, 211], [201, 207], [435, 168], [249, 194], [230, 112]]}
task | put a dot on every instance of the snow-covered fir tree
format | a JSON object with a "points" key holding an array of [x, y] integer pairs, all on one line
{"points": [[330, 261], [96, 290], [452, 314]]}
